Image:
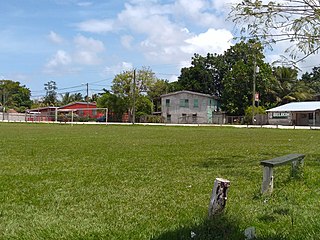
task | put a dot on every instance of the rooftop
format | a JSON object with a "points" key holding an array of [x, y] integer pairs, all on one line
{"points": [[297, 107]]}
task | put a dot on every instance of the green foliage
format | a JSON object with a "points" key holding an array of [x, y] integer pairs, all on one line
{"points": [[143, 182], [143, 107], [51, 94], [248, 113], [15, 96], [116, 105], [238, 81], [159, 87], [287, 88], [230, 76], [70, 98], [123, 85], [312, 79], [204, 76]]}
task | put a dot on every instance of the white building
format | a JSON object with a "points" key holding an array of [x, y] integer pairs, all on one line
{"points": [[296, 113]]}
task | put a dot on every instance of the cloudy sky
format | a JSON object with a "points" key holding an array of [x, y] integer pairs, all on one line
{"points": [[74, 42]]}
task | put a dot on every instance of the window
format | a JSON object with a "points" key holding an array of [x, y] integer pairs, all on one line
{"points": [[168, 118], [94, 112], [184, 103], [194, 118], [183, 118], [310, 116], [195, 103], [167, 102], [204, 103], [81, 112]]}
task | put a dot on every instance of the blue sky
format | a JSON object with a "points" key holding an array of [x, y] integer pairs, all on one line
{"points": [[73, 42]]}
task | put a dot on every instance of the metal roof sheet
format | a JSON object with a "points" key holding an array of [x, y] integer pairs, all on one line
{"points": [[297, 107], [189, 92]]}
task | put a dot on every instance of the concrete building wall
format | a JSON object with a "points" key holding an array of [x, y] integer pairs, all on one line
{"points": [[188, 107]]}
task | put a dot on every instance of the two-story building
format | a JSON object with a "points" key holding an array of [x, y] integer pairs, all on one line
{"points": [[188, 107]]}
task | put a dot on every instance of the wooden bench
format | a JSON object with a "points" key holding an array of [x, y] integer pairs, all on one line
{"points": [[267, 182]]}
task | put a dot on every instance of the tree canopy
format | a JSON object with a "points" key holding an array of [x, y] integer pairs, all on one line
{"points": [[14, 95], [312, 79], [51, 94], [139, 87], [294, 21]]}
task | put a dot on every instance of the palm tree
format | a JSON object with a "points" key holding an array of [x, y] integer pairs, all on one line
{"points": [[287, 88]]}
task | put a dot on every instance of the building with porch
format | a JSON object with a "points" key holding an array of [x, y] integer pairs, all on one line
{"points": [[295, 114]]}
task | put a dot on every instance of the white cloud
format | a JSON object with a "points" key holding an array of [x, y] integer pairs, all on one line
{"points": [[96, 26], [87, 50], [86, 58], [55, 38], [126, 41], [61, 58], [213, 41], [84, 4], [163, 33], [116, 69], [59, 63], [89, 44]]}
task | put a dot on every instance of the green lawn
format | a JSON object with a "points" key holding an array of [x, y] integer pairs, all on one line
{"points": [[144, 182]]}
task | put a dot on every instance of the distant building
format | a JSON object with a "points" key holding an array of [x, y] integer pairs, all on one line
{"points": [[189, 107], [295, 113], [82, 109], [79, 109], [41, 114]]}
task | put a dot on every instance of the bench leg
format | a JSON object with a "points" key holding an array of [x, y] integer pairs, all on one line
{"points": [[267, 182], [296, 170]]}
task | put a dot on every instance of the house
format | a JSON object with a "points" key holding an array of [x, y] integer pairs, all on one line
{"points": [[189, 107], [78, 109], [82, 109], [295, 113], [41, 114]]}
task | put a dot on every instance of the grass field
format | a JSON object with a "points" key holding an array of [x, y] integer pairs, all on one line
{"points": [[143, 182]]}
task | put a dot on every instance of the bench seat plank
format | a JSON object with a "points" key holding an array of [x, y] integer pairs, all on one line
{"points": [[282, 160]]}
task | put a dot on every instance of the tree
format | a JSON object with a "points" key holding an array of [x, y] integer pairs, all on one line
{"points": [[123, 85], [288, 88], [51, 95], [69, 98], [295, 21], [312, 79], [15, 96], [143, 107], [229, 76], [155, 91], [204, 76], [237, 82], [116, 105]]}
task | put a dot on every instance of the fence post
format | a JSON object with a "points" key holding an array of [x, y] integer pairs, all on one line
{"points": [[218, 198]]}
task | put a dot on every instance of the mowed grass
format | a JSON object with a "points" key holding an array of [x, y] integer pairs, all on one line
{"points": [[146, 182]]}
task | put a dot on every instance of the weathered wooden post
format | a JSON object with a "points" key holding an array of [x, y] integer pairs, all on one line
{"points": [[218, 198], [267, 181]]}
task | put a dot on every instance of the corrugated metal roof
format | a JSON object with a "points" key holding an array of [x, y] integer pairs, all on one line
{"points": [[297, 107], [189, 92]]}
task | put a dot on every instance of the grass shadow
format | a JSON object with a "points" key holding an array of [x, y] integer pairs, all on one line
{"points": [[219, 227]]}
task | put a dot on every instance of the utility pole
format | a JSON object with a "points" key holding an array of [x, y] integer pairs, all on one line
{"points": [[254, 87], [87, 98], [134, 97], [3, 100]]}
